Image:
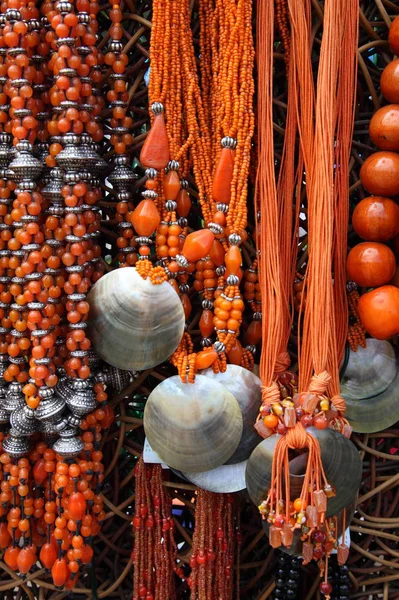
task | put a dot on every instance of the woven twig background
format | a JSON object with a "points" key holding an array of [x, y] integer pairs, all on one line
{"points": [[374, 559]]}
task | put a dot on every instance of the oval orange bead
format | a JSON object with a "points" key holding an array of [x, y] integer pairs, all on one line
{"points": [[221, 185], [171, 185], [217, 253], [155, 150], [254, 333], [197, 244], [232, 260], [235, 353], [206, 323], [26, 559], [59, 572], [183, 202], [187, 307], [145, 218], [11, 557], [39, 472], [5, 537], [77, 506], [48, 555], [205, 359], [379, 312]]}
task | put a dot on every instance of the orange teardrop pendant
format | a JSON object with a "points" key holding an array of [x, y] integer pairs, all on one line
{"points": [[171, 185], [197, 244], [235, 353], [221, 185], [216, 253], [145, 218], [155, 150]]}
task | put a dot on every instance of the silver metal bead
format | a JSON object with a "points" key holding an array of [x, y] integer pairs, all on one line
{"points": [[50, 409], [235, 239], [220, 271], [257, 316], [23, 421], [233, 280], [119, 379], [25, 166], [206, 342], [351, 286], [215, 228], [229, 142], [207, 304], [182, 261], [219, 347], [184, 184], [14, 398], [170, 205], [184, 288], [157, 108], [68, 445], [221, 207], [149, 194], [173, 165], [151, 173], [116, 46], [82, 401], [4, 417], [182, 221], [16, 445], [251, 348], [122, 177], [74, 420]]}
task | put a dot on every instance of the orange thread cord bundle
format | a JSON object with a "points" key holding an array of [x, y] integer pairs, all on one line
{"points": [[324, 119]]}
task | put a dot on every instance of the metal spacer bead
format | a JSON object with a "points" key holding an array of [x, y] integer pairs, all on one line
{"points": [[124, 196], [143, 240], [229, 142], [184, 184], [149, 194], [219, 347], [351, 286], [235, 239], [170, 205], [173, 165], [232, 280], [220, 271], [215, 228], [206, 342], [221, 207], [184, 288], [116, 46], [251, 348], [257, 316], [207, 304], [157, 108], [182, 261], [151, 173], [182, 221]]}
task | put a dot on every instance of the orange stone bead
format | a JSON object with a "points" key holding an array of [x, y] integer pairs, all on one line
{"points": [[232, 260], [77, 506], [171, 185], [145, 218], [206, 323], [205, 359], [48, 555], [221, 185], [5, 537], [254, 333], [235, 353], [60, 572], [155, 150], [11, 557], [183, 203], [198, 244], [26, 559], [217, 253]]}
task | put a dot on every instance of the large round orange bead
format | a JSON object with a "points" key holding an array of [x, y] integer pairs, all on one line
{"points": [[376, 219], [389, 81], [370, 264], [393, 37], [384, 127], [380, 174], [379, 312]]}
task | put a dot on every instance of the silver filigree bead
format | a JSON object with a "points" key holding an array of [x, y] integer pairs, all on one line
{"points": [[122, 177], [74, 420], [157, 108], [16, 445], [68, 445], [170, 205], [14, 398], [82, 401], [235, 239], [23, 421], [215, 228], [219, 347], [50, 409], [151, 173], [229, 142], [232, 280], [220, 271], [173, 165], [182, 261]]}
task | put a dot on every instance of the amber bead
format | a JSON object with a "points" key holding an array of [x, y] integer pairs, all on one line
{"points": [[206, 323], [183, 202], [232, 260], [379, 174], [171, 185], [389, 81], [384, 127], [221, 185], [155, 150], [145, 218], [59, 572], [197, 244]]}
